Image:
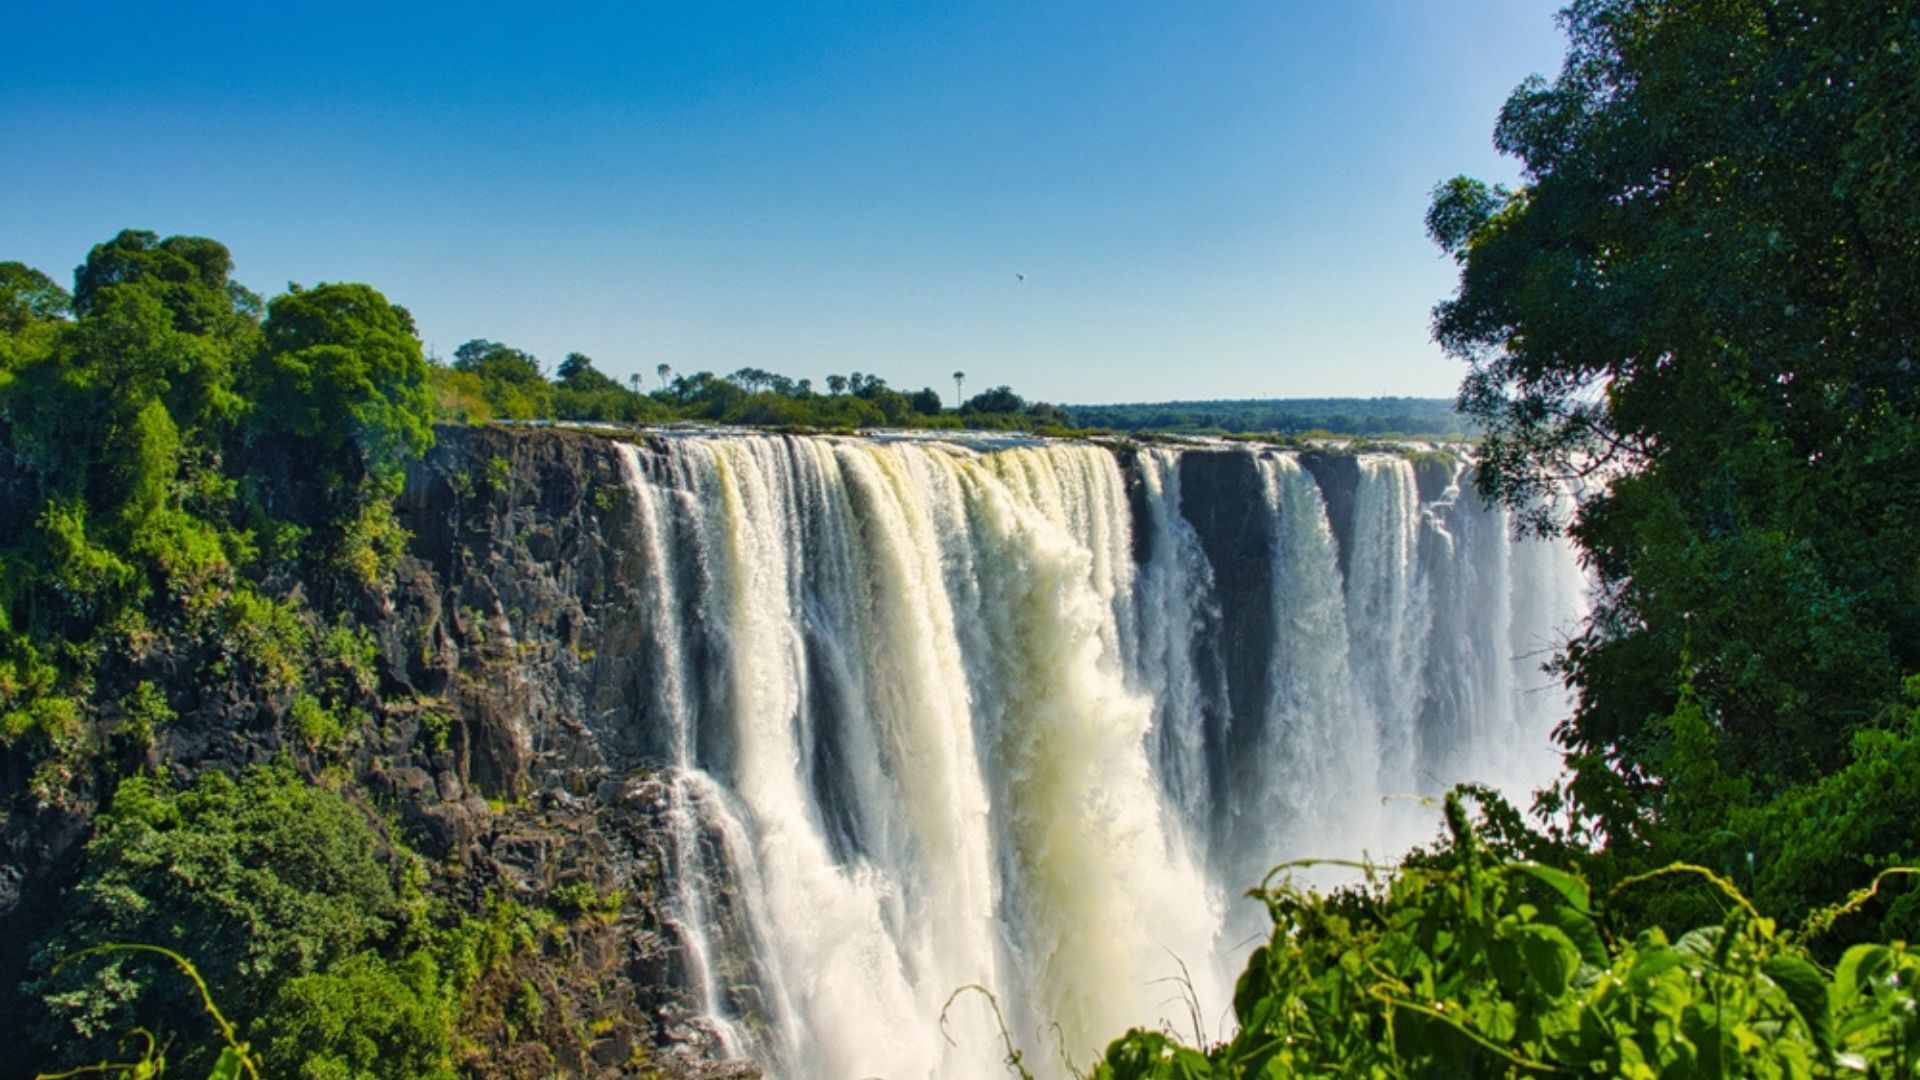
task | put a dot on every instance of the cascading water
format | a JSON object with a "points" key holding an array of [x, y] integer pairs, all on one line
{"points": [[1028, 717]]}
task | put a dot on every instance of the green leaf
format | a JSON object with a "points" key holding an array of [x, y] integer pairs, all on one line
{"points": [[1551, 959], [228, 1067], [1807, 990], [1579, 930], [1570, 888], [1859, 966], [1700, 943], [1653, 962]]}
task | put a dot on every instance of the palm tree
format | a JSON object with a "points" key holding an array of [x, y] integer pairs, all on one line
{"points": [[959, 395], [664, 370]]}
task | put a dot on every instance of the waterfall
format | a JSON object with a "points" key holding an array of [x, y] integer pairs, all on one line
{"points": [[1031, 716]]}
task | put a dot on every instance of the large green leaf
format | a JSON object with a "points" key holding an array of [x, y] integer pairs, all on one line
{"points": [[1551, 959], [1807, 990], [1858, 967], [1579, 930], [1568, 887]]}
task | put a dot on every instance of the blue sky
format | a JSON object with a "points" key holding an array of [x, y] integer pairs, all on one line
{"points": [[1207, 199]]}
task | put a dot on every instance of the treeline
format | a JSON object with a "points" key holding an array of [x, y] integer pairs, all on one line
{"points": [[1290, 417], [487, 380]]}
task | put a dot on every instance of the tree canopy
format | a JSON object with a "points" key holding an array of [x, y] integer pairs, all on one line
{"points": [[342, 365], [1701, 308], [170, 444]]}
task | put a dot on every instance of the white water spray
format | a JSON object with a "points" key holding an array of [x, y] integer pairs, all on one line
{"points": [[947, 716]]}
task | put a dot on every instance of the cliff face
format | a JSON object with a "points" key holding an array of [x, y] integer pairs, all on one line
{"points": [[499, 749], [512, 627]]}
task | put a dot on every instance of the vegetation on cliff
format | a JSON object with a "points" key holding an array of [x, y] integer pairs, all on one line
{"points": [[197, 535], [179, 457]]}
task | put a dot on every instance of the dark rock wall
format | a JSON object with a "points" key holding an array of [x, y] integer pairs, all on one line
{"points": [[502, 748], [516, 618], [1224, 497]]}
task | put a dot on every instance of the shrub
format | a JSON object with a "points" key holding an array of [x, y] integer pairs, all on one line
{"points": [[262, 879], [1481, 966]]}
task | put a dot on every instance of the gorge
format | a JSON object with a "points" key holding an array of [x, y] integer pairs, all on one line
{"points": [[1028, 715], [835, 726]]}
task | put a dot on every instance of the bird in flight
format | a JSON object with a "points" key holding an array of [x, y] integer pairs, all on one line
{"points": [[1019, 276]]}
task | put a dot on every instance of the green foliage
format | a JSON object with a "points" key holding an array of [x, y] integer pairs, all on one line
{"points": [[342, 365], [188, 274], [499, 473], [278, 887], [1703, 295], [348, 654], [583, 392], [366, 1019], [234, 1059], [510, 381], [488, 379], [459, 397], [1475, 965], [264, 879], [316, 726], [32, 311], [342, 403], [268, 638], [582, 899], [166, 451], [28, 296], [145, 711]]}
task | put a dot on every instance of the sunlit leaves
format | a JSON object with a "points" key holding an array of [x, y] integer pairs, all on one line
{"points": [[1469, 967]]}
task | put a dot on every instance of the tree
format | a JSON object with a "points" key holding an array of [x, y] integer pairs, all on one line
{"points": [[574, 366], [1703, 296], [188, 274], [343, 365], [261, 880], [1000, 399], [585, 393], [32, 312], [665, 371], [512, 381], [341, 402], [836, 385], [959, 394], [28, 296]]}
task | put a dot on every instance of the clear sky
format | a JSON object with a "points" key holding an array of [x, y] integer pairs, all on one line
{"points": [[1210, 198]]}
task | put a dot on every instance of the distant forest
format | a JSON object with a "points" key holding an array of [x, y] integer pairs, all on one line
{"points": [[1283, 416], [487, 380]]}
